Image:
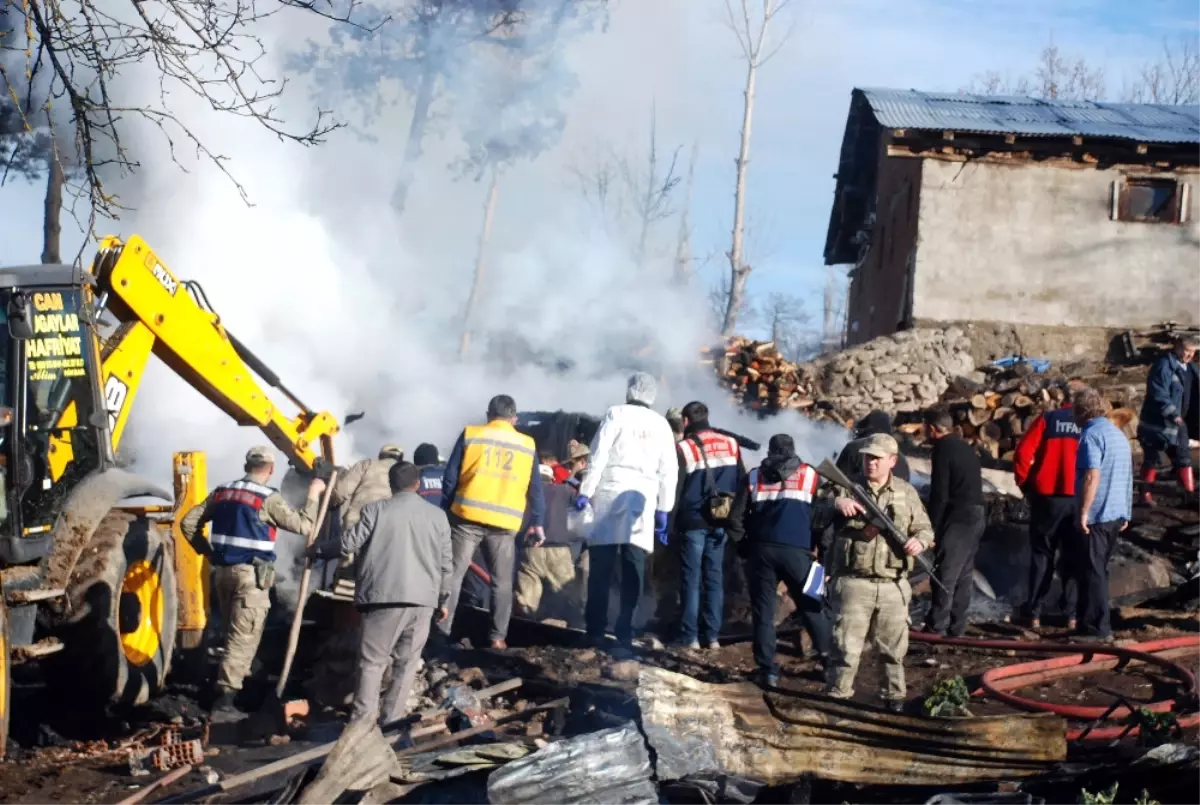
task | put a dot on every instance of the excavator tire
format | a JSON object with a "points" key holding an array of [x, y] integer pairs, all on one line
{"points": [[5, 678], [119, 633]]}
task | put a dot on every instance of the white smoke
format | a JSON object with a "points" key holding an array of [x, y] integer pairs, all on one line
{"points": [[355, 309]]}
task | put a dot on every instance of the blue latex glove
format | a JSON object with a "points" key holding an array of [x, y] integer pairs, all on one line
{"points": [[660, 527], [582, 502]]}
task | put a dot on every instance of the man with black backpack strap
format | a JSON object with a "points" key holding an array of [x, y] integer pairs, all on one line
{"points": [[710, 473]]}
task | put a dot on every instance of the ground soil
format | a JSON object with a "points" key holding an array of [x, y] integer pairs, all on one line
{"points": [[57, 754]]}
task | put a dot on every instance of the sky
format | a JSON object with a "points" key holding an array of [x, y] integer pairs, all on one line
{"points": [[350, 306], [679, 56]]}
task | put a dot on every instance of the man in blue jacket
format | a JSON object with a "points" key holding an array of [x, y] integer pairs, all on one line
{"points": [[1161, 427], [772, 514], [710, 473]]}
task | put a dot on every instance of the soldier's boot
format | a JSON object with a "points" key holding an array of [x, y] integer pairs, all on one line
{"points": [[1149, 476]]}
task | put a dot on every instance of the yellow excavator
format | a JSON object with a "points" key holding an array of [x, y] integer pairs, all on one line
{"points": [[100, 590]]}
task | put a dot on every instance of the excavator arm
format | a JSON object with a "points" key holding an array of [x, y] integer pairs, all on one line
{"points": [[158, 314]]}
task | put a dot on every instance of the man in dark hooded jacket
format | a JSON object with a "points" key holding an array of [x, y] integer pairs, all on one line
{"points": [[1161, 426], [772, 513], [849, 461]]}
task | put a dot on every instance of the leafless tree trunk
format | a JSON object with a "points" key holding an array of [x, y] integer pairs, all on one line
{"points": [[683, 248], [752, 43], [489, 211], [51, 224], [416, 135], [653, 200]]}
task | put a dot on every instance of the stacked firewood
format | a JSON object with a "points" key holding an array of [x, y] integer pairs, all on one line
{"points": [[759, 377], [995, 414]]}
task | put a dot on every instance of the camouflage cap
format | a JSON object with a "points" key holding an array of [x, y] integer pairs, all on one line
{"points": [[260, 454], [880, 445], [391, 451], [576, 451]]}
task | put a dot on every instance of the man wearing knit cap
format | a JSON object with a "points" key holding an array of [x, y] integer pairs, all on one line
{"points": [[630, 485]]}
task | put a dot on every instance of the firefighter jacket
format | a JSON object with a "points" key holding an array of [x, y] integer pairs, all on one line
{"points": [[1044, 462], [859, 549], [775, 504], [431, 483], [492, 477], [244, 516], [704, 472]]}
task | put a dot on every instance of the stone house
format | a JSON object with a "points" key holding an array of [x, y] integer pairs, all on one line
{"points": [[1028, 216]]}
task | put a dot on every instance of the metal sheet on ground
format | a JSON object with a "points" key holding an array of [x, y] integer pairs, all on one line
{"points": [[778, 738]]}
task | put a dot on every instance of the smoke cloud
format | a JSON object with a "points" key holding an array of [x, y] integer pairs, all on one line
{"points": [[359, 309]]}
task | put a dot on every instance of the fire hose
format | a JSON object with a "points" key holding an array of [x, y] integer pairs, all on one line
{"points": [[998, 682]]}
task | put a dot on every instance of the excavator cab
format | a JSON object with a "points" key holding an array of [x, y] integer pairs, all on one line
{"points": [[49, 382], [88, 577]]}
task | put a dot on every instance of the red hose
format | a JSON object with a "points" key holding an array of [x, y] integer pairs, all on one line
{"points": [[996, 682]]}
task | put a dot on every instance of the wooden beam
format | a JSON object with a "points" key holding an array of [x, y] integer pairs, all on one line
{"points": [[899, 132]]}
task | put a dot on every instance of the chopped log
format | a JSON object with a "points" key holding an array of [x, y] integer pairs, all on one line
{"points": [[1016, 425], [765, 348], [737, 730], [979, 401], [1007, 400], [1022, 402], [1001, 413], [978, 416]]}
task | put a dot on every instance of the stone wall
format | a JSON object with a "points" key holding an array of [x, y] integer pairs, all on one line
{"points": [[905, 371]]}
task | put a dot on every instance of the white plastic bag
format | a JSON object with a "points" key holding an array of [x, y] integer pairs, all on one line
{"points": [[579, 523]]}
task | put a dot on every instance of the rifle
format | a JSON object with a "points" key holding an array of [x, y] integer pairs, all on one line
{"points": [[877, 517]]}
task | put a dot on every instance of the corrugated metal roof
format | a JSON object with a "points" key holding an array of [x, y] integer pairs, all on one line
{"points": [[936, 111]]}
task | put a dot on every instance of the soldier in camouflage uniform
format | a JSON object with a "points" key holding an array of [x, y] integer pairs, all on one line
{"points": [[870, 578], [365, 482], [244, 515]]}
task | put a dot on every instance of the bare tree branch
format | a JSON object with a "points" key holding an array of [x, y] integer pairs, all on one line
{"points": [[1173, 79], [77, 52]]}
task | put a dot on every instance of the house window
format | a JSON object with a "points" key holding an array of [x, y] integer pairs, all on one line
{"points": [[1151, 201]]}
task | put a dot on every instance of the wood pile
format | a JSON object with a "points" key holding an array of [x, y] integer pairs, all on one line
{"points": [[757, 376], [995, 414]]}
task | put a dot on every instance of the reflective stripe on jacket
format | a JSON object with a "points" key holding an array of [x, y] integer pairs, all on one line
{"points": [[239, 534], [723, 458], [494, 475], [781, 512]]}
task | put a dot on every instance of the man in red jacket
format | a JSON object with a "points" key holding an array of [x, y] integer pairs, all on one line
{"points": [[1044, 466]]}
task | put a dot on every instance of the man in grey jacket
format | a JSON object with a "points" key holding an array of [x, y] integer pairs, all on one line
{"points": [[403, 568]]}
